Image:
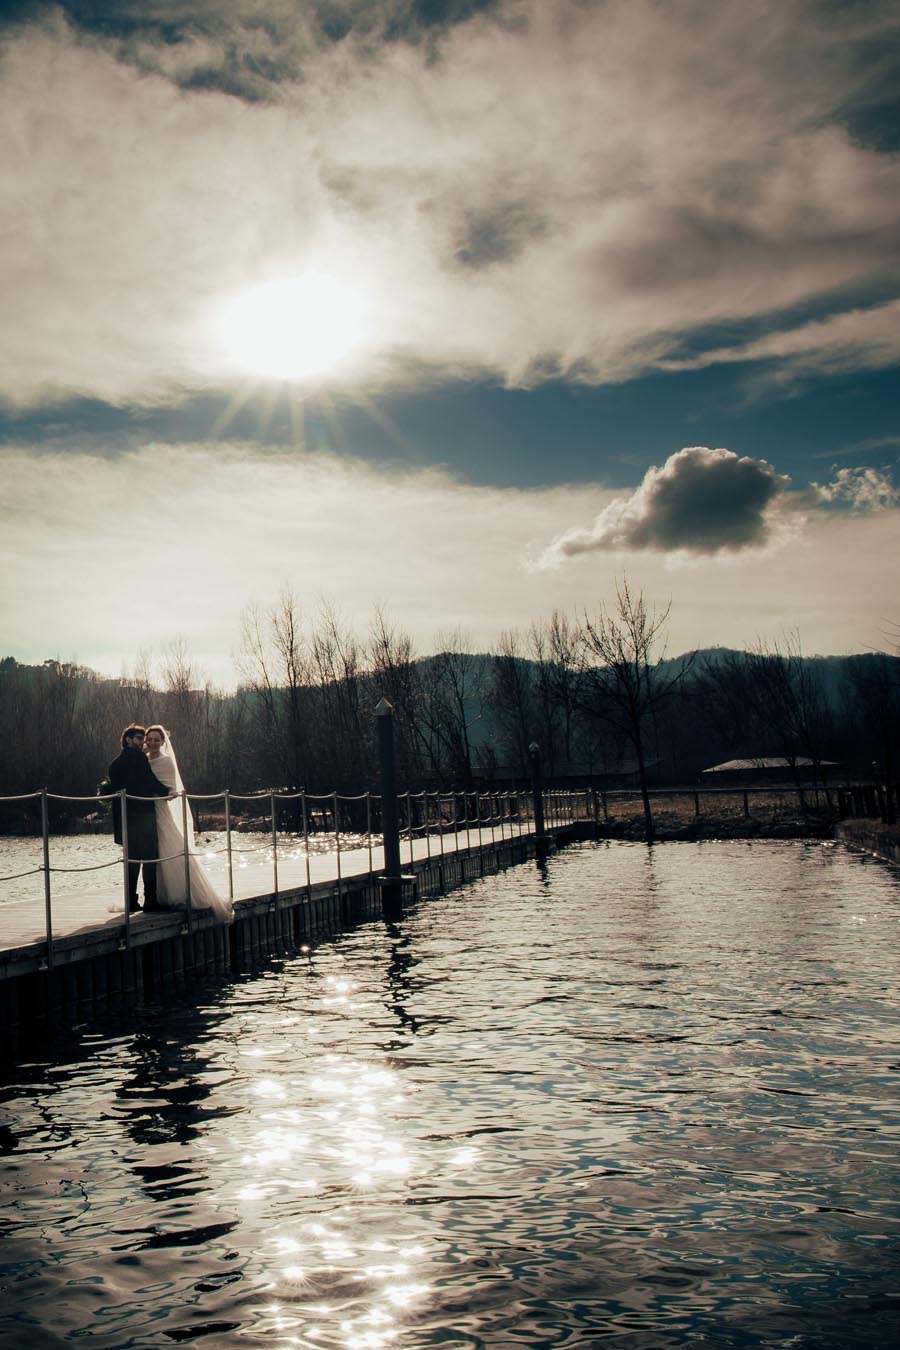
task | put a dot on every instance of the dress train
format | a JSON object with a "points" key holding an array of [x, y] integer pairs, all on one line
{"points": [[170, 878]]}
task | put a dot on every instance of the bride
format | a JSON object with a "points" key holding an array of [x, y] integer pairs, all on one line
{"points": [[171, 886]]}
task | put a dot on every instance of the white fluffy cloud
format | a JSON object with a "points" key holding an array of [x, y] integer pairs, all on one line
{"points": [[860, 490], [571, 189], [701, 501]]}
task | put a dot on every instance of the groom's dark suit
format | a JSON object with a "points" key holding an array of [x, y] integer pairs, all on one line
{"points": [[131, 771]]}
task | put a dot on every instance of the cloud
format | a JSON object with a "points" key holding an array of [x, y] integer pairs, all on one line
{"points": [[858, 339], [701, 501], [858, 490], [108, 557], [113, 555], [541, 190]]}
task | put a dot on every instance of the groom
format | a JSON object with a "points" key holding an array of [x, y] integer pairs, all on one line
{"points": [[131, 770]]}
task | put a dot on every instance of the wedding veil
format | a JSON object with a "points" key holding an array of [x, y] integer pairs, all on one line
{"points": [[176, 810]]}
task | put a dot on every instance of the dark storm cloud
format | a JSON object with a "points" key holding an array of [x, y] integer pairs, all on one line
{"points": [[704, 500], [701, 501]]}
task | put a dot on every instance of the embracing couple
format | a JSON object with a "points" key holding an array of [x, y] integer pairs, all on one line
{"points": [[147, 770]]}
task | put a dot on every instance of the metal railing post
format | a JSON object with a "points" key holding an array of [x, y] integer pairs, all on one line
{"points": [[534, 754], [274, 842], [305, 817], [48, 912], [337, 838], [126, 880], [480, 836], [392, 886], [187, 859], [228, 844]]}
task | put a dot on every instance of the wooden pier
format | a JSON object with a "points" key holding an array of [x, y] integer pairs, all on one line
{"points": [[102, 960]]}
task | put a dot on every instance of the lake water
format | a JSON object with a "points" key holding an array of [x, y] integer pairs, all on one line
{"points": [[646, 1098]]}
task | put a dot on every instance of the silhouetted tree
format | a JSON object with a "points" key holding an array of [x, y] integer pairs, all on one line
{"points": [[276, 668], [453, 686], [872, 706], [396, 676], [791, 703], [622, 680], [511, 700]]}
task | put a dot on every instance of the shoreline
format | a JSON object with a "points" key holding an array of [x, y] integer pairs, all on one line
{"points": [[870, 836]]}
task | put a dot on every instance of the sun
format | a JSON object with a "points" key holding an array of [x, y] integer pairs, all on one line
{"points": [[294, 327]]}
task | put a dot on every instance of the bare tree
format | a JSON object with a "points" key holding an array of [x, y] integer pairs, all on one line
{"points": [[622, 680], [138, 695], [337, 662], [512, 701], [792, 705], [872, 706], [453, 701], [182, 708], [726, 687], [393, 668], [556, 648], [275, 666]]}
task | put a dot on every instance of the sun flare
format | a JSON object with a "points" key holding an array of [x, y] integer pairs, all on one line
{"points": [[293, 328]]}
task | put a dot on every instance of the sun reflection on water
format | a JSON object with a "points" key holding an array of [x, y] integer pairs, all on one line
{"points": [[375, 1292], [636, 1141], [325, 1130]]}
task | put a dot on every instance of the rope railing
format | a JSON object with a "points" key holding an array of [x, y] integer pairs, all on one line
{"points": [[427, 821], [429, 815], [17, 876]]}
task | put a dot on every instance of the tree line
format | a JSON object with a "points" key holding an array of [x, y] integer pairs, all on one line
{"points": [[597, 694]]}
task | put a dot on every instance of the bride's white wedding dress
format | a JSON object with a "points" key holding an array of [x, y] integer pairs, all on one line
{"points": [[170, 879]]}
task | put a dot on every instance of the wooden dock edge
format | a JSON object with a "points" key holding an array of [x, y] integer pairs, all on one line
{"points": [[97, 972]]}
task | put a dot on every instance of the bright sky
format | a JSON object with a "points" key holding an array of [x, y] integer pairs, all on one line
{"points": [[462, 309]]}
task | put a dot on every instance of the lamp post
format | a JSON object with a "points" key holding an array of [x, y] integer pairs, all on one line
{"points": [[537, 792], [391, 881]]}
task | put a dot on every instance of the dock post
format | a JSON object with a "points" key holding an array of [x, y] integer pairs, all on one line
{"points": [[274, 809], [336, 810], [306, 844], [228, 844], [48, 912], [369, 832], [537, 792], [391, 885], [480, 835], [187, 861], [123, 807]]}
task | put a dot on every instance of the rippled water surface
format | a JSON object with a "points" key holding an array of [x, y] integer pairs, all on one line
{"points": [[649, 1098]]}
